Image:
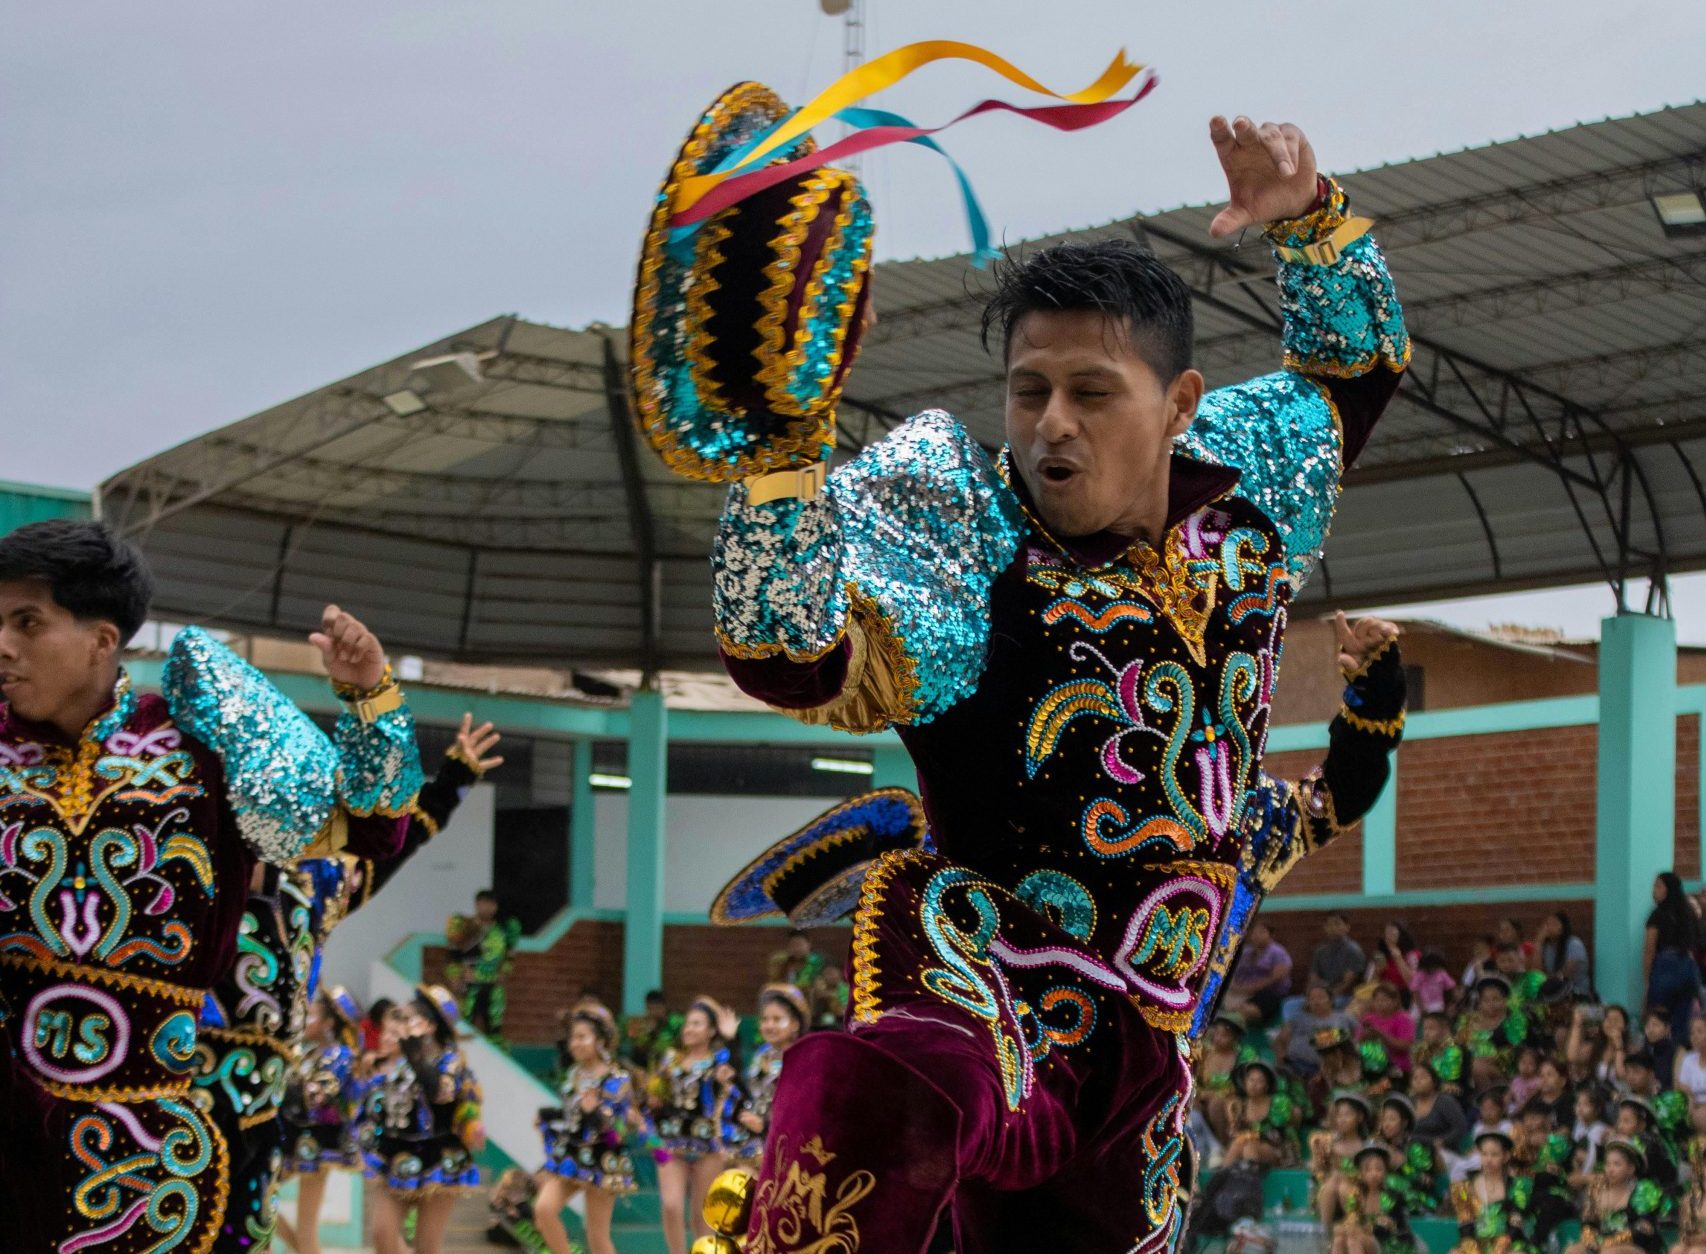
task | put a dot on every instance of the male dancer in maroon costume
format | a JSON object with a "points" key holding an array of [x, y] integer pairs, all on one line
{"points": [[1078, 643]]}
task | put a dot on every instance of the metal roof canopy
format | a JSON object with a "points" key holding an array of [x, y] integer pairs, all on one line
{"points": [[1549, 431]]}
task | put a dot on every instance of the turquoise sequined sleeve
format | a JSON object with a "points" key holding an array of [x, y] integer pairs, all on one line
{"points": [[1284, 431], [379, 763], [280, 770], [896, 558]]}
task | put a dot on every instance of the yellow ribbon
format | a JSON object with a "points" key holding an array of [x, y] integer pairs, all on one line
{"points": [[886, 71]]}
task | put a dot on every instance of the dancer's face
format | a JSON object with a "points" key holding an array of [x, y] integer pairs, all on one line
{"points": [[52, 663], [777, 1026], [583, 1043], [1619, 1168], [1090, 424], [696, 1029]]}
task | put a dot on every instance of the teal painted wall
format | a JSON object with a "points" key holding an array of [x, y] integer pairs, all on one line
{"points": [[22, 503]]}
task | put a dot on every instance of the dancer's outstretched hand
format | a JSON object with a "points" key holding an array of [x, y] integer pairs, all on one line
{"points": [[477, 743], [352, 653], [1270, 172], [1359, 643]]}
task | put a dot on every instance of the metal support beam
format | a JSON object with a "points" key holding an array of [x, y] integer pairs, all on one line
{"points": [[648, 769], [583, 832], [1636, 829]]}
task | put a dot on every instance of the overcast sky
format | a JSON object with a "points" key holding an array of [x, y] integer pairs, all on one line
{"points": [[208, 207]]}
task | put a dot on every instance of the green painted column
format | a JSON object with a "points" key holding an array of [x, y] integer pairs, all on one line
{"points": [[1637, 793], [1380, 840], [648, 768], [893, 768], [583, 832]]}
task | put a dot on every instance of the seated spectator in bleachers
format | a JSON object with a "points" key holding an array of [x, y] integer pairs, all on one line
{"points": [[1559, 952], [1622, 1211], [1341, 1066], [1414, 1162], [1637, 1122], [1333, 1151], [1691, 1227], [1221, 1051], [1531, 1125], [1387, 1022], [1431, 984], [1438, 1048], [1588, 1132], [1374, 1219], [1689, 1072], [1554, 1091], [1338, 961], [1658, 1045], [1597, 1043], [1640, 1075], [1440, 1119], [829, 994], [1394, 960], [796, 963], [1509, 932], [1491, 1033], [1491, 1117], [1489, 1214], [1294, 1044], [1480, 962], [1262, 1120], [1526, 1082], [1261, 978]]}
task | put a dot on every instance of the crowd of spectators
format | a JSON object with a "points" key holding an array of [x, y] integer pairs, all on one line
{"points": [[1506, 1095]]}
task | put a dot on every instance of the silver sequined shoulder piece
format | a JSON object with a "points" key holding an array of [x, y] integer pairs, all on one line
{"points": [[281, 772], [928, 526]]}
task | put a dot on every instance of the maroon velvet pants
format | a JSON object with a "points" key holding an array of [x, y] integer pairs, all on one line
{"points": [[1036, 1109]]}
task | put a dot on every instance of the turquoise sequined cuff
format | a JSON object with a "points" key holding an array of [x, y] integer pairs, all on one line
{"points": [[1342, 319], [379, 769], [281, 773]]}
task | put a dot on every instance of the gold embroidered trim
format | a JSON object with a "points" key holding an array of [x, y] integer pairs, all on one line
{"points": [[215, 1214], [418, 815], [1389, 727], [456, 753], [775, 360], [1167, 582], [246, 1036], [881, 687], [255, 1121], [707, 256], [75, 972], [866, 1006], [1369, 661], [773, 648], [1338, 368], [1163, 1020], [97, 1093]]}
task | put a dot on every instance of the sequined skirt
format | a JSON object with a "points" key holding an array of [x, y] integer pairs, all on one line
{"points": [[418, 1166]]}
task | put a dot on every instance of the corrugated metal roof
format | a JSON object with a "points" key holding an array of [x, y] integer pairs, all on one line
{"points": [[1550, 429]]}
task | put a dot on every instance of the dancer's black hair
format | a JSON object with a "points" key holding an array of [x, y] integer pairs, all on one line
{"points": [[89, 570], [1128, 285]]}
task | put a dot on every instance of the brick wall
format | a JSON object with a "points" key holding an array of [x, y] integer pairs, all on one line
{"points": [[1510, 808]]}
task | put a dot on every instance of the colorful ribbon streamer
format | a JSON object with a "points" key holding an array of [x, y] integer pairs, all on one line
{"points": [[885, 71], [1063, 117]]}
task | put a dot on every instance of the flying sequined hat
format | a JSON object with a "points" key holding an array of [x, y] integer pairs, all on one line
{"points": [[814, 875], [744, 325]]}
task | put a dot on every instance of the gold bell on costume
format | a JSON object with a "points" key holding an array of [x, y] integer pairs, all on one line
{"points": [[715, 1245], [728, 1205]]}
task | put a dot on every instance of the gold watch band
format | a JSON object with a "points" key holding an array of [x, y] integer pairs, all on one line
{"points": [[797, 483], [1326, 252]]}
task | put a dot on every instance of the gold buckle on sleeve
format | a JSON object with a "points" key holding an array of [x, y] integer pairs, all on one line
{"points": [[796, 483], [371, 709], [1329, 250]]}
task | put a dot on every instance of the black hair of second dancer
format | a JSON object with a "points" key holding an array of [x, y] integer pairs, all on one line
{"points": [[90, 571], [1125, 283]]}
